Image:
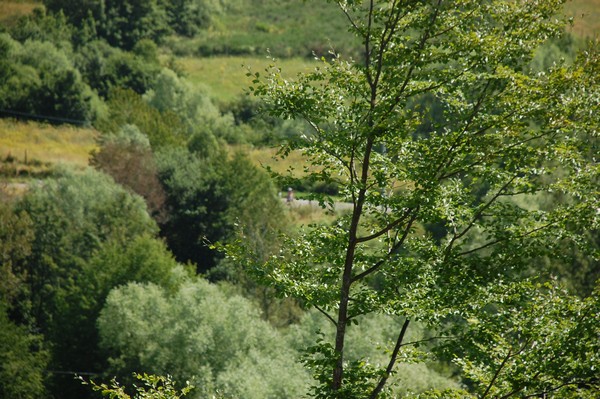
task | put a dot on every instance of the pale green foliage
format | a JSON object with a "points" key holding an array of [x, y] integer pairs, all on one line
{"points": [[201, 335], [368, 340], [490, 130], [76, 217], [155, 387], [129, 135], [192, 104]]}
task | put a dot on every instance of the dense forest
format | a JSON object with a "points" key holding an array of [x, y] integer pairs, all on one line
{"points": [[445, 151]]}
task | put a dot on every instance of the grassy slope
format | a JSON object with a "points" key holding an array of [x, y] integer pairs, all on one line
{"points": [[225, 77], [586, 17], [268, 23], [286, 28], [11, 10], [30, 142]]}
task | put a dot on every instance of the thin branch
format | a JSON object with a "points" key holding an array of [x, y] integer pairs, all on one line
{"points": [[386, 37], [326, 314], [519, 388], [555, 388], [489, 244], [390, 366], [496, 374], [368, 45], [387, 228], [428, 340], [395, 247], [478, 215], [348, 16], [426, 35], [451, 27], [451, 153]]}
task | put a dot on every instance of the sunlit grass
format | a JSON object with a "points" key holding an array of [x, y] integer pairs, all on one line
{"points": [[27, 142], [10, 11], [225, 77], [266, 157], [586, 17]]}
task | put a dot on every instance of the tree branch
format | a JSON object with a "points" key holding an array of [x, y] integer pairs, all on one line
{"points": [[394, 248], [496, 374], [387, 228], [489, 244], [390, 366], [478, 215], [326, 314]]}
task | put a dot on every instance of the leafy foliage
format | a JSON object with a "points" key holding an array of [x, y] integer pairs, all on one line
{"points": [[157, 387], [128, 158], [74, 218], [530, 340], [207, 196], [16, 236], [175, 94], [44, 28], [126, 107], [501, 136], [121, 23], [200, 334], [23, 360], [39, 79], [188, 17], [106, 68]]}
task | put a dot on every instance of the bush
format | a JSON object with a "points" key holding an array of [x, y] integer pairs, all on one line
{"points": [[199, 334], [105, 67], [39, 81]]}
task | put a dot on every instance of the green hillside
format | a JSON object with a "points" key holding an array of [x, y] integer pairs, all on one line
{"points": [[203, 190]]}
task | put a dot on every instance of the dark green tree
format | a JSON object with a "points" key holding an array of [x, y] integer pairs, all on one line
{"points": [[41, 82], [16, 235], [197, 205], [23, 360], [42, 27], [76, 217], [208, 198], [188, 17], [512, 132], [120, 23], [105, 67], [163, 129]]}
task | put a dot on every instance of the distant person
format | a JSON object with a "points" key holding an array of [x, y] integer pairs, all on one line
{"points": [[290, 195]]}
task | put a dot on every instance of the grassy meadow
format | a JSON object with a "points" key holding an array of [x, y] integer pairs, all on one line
{"points": [[11, 10], [29, 145], [225, 76], [586, 17]]}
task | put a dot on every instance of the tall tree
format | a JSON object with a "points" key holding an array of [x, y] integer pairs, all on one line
{"points": [[501, 132], [207, 195]]}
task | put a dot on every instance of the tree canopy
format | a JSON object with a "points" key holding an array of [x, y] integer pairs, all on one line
{"points": [[494, 135]]}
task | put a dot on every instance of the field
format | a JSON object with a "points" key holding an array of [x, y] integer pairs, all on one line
{"points": [[30, 146], [11, 10], [586, 17], [225, 77]]}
